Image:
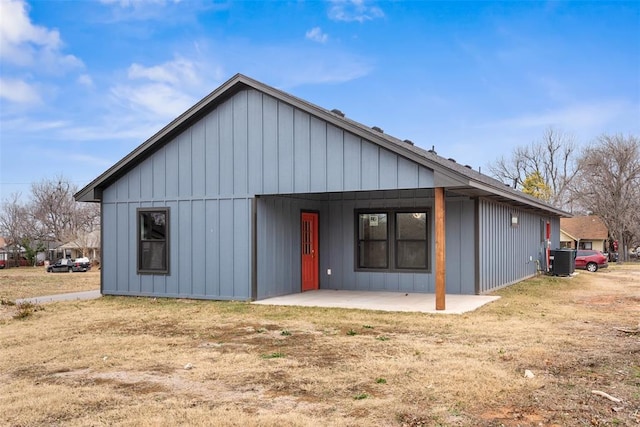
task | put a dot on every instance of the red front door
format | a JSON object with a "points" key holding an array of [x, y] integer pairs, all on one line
{"points": [[309, 251]]}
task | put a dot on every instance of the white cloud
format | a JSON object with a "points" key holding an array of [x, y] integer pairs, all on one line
{"points": [[136, 3], [85, 80], [315, 34], [17, 31], [160, 99], [18, 91], [353, 10], [24, 44], [180, 71], [165, 90], [575, 116]]}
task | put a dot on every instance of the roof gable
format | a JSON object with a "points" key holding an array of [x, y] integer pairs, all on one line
{"points": [[585, 227], [447, 173]]}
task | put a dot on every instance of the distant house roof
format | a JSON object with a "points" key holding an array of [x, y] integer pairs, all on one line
{"points": [[86, 241], [448, 173], [585, 228]]}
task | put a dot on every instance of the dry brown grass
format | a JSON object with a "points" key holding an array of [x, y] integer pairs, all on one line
{"points": [[121, 361], [27, 282]]}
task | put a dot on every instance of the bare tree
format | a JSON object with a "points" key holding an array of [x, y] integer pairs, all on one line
{"points": [[553, 158], [608, 185], [11, 221], [59, 217]]}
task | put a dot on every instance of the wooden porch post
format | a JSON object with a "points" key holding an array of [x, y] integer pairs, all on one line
{"points": [[440, 248]]}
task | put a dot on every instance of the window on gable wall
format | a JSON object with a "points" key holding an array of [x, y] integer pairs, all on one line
{"points": [[153, 240], [389, 240]]}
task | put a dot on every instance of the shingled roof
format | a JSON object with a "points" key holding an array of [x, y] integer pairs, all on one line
{"points": [[585, 227], [448, 173]]}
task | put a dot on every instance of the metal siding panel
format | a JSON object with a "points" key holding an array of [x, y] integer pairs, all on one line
{"points": [[172, 170], [480, 243], [555, 232], [285, 148], [352, 162], [391, 282], [240, 143], [282, 218], [241, 249], [130, 189], [109, 253], [183, 264], [172, 280], [227, 249], [159, 173], [423, 283], [363, 280], [184, 164], [335, 158], [145, 186], [212, 248], [292, 247], [388, 170], [159, 285], [265, 274], [146, 284], [134, 278], [407, 173], [226, 148], [198, 155], [198, 248], [255, 146], [370, 166], [425, 177], [505, 250], [302, 152], [326, 281], [270, 149], [467, 253], [123, 237], [348, 241], [318, 153], [212, 154], [122, 188], [406, 283], [110, 194], [453, 247], [336, 253]]}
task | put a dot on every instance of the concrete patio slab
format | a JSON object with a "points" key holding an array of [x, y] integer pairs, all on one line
{"points": [[384, 301]]}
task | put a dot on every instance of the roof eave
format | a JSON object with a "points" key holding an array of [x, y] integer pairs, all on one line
{"points": [[443, 176]]}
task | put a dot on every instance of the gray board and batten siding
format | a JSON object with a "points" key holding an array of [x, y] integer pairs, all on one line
{"points": [[238, 168], [251, 144]]}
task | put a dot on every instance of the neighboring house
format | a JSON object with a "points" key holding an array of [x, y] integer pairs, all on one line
{"points": [[11, 255], [584, 232], [86, 245], [254, 193], [3, 253]]}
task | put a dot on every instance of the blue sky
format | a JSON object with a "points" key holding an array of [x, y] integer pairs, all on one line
{"points": [[83, 83]]}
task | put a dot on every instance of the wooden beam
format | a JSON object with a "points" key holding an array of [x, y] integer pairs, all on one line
{"points": [[441, 260]]}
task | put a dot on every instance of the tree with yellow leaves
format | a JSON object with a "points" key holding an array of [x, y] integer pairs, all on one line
{"points": [[535, 185]]}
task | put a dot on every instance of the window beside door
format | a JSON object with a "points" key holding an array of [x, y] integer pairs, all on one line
{"points": [[389, 240]]}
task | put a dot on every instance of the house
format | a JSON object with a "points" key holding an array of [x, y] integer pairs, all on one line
{"points": [[11, 255], [584, 232], [254, 193], [85, 245]]}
